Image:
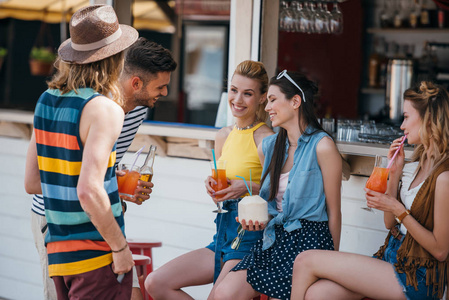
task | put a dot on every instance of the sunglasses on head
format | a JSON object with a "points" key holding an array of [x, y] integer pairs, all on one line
{"points": [[238, 239], [285, 74]]}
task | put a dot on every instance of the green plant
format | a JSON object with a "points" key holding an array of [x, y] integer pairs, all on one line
{"points": [[3, 52], [42, 54]]}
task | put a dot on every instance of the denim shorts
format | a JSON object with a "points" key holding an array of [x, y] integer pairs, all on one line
{"points": [[226, 231], [424, 292]]}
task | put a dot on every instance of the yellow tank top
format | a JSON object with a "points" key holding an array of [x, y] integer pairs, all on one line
{"points": [[240, 153]]}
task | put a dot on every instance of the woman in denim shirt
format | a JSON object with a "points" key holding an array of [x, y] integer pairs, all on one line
{"points": [[301, 181]]}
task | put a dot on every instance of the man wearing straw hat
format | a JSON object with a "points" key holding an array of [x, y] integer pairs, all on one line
{"points": [[144, 80], [71, 159]]}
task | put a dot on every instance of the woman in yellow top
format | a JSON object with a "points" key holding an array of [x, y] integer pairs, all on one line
{"points": [[237, 145]]}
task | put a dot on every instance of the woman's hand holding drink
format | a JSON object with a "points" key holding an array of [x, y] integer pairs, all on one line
{"points": [[378, 180], [379, 177], [219, 182]]}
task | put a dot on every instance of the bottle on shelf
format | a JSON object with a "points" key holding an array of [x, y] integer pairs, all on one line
{"points": [[146, 171], [427, 64], [376, 59], [441, 18], [373, 68], [398, 21], [385, 16], [383, 64], [413, 19], [424, 17]]}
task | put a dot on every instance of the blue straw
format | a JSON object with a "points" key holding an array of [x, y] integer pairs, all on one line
{"points": [[250, 185], [244, 180], [215, 162]]}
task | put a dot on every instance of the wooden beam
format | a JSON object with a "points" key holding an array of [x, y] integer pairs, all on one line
{"points": [[167, 10], [269, 36]]}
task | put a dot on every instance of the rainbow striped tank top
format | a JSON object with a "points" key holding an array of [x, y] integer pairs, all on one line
{"points": [[74, 245]]}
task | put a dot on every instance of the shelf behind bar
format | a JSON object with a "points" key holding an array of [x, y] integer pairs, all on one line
{"points": [[368, 149], [408, 30], [368, 90]]}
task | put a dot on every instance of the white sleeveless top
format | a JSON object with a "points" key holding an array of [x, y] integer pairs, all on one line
{"points": [[408, 195], [283, 181]]}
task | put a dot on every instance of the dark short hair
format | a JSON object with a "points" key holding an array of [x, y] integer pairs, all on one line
{"points": [[146, 58]]}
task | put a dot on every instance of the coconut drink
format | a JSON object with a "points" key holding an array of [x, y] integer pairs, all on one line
{"points": [[253, 208]]}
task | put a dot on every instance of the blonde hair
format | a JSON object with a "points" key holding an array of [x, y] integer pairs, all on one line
{"points": [[432, 103], [102, 76], [255, 70]]}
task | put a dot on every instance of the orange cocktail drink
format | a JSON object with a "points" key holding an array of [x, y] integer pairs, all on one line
{"points": [[378, 180], [127, 183], [219, 176]]}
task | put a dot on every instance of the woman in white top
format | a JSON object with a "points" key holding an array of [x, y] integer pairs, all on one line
{"points": [[412, 264]]}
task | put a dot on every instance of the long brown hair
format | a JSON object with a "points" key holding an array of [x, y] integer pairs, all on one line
{"points": [[306, 117], [102, 76], [432, 103], [255, 70]]}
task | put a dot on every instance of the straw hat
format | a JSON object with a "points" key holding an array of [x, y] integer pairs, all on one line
{"points": [[95, 34]]}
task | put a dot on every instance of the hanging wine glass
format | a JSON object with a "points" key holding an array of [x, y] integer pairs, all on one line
{"points": [[286, 18], [321, 20], [295, 9], [312, 26], [303, 18], [337, 19], [282, 13], [306, 19]]}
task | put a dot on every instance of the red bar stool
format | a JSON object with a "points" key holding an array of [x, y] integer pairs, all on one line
{"points": [[144, 247], [141, 262]]}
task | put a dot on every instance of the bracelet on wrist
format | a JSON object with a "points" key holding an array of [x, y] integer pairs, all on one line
{"points": [[120, 250]]}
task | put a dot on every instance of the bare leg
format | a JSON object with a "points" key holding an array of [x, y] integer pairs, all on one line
{"points": [[319, 290], [190, 269], [136, 294], [224, 272], [355, 273], [235, 287]]}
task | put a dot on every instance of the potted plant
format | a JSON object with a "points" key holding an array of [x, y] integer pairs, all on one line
{"points": [[3, 52], [41, 61]]}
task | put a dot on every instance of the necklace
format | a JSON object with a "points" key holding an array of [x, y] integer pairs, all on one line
{"points": [[246, 127]]}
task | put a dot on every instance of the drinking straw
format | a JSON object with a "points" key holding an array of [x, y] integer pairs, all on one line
{"points": [[250, 185], [137, 156], [215, 162], [397, 151], [244, 180]]}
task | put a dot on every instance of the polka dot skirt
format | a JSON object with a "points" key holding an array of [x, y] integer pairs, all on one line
{"points": [[270, 271]]}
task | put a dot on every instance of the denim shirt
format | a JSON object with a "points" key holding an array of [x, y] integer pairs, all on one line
{"points": [[304, 196]]}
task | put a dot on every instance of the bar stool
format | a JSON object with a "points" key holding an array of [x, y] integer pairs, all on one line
{"points": [[141, 262], [144, 247]]}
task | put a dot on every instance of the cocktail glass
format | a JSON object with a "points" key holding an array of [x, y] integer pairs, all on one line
{"points": [[222, 182], [127, 183], [378, 178]]}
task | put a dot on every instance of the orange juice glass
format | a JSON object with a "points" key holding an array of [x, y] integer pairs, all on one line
{"points": [[379, 177], [378, 180], [221, 179], [127, 184]]}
